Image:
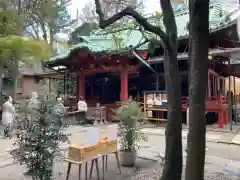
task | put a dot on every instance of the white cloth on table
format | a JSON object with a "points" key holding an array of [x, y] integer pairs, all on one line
{"points": [[82, 106], [8, 115]]}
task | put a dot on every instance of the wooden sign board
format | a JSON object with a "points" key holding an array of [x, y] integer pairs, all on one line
{"points": [[77, 153]]}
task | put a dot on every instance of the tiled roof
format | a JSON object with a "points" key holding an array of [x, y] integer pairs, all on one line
{"points": [[33, 71], [101, 41]]}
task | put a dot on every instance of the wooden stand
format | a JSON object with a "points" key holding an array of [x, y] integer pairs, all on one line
{"points": [[80, 164], [105, 164], [82, 155]]}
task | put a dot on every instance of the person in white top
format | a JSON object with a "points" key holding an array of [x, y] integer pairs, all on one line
{"points": [[82, 105], [82, 109], [8, 116]]}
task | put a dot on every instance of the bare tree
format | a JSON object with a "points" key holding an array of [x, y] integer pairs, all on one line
{"points": [[110, 7], [198, 53], [173, 152], [46, 19], [88, 14]]}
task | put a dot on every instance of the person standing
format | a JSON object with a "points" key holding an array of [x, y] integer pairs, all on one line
{"points": [[8, 116], [32, 106], [82, 109], [60, 110]]}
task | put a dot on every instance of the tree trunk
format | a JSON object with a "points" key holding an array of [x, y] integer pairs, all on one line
{"points": [[51, 34], [173, 152], [198, 36]]}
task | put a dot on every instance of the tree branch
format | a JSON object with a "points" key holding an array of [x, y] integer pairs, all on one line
{"points": [[169, 21], [129, 11]]}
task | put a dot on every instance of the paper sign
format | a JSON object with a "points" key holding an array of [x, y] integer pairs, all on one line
{"points": [[112, 132], [93, 136]]}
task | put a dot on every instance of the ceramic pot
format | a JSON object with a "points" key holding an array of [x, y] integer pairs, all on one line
{"points": [[127, 158]]}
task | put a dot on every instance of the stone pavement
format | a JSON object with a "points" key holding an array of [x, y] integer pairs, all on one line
{"points": [[211, 136], [79, 134]]}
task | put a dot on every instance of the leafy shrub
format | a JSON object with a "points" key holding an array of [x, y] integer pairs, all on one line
{"points": [[37, 145]]}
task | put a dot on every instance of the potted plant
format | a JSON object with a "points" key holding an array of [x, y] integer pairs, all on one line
{"points": [[129, 114]]}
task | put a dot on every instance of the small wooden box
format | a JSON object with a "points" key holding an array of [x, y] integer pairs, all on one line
{"points": [[111, 146], [77, 153], [102, 147]]}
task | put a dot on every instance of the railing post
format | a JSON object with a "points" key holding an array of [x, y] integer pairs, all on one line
{"points": [[220, 112]]}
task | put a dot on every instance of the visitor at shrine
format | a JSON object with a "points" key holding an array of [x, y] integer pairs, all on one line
{"points": [[82, 109], [130, 98], [60, 110], [8, 116], [158, 100]]}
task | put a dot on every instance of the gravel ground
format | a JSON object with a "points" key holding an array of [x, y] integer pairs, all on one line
{"points": [[155, 172], [152, 171]]}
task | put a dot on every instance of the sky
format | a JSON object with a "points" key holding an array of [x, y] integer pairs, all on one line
{"points": [[150, 7]]}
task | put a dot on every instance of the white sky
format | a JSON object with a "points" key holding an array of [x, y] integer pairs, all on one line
{"points": [[150, 7]]}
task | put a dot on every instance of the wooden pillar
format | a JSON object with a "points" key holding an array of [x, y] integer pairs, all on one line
{"points": [[49, 85], [81, 85], [124, 85]]}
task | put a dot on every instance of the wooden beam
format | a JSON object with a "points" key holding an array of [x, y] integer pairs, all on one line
{"points": [[110, 70]]}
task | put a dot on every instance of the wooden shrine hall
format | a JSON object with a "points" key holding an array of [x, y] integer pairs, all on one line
{"points": [[108, 75]]}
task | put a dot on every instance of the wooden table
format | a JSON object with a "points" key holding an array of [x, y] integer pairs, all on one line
{"points": [[97, 113]]}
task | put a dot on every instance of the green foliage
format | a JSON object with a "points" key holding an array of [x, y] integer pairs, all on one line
{"points": [[156, 20], [70, 87], [130, 138], [51, 17], [37, 145], [129, 114], [24, 48], [10, 20]]}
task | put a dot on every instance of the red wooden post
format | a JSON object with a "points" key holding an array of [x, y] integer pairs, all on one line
{"points": [[81, 85], [124, 85], [220, 112]]}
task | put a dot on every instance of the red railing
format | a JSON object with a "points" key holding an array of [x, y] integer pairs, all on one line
{"points": [[218, 104]]}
